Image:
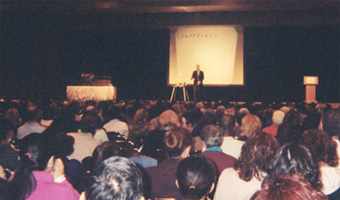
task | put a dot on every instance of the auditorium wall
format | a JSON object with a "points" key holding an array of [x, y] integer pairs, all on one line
{"points": [[41, 55]]}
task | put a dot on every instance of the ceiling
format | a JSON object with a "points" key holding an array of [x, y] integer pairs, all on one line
{"points": [[162, 13]]}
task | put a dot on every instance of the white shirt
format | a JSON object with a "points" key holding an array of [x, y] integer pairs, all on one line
{"points": [[28, 128], [330, 176], [84, 145], [116, 125], [231, 187], [232, 146]]}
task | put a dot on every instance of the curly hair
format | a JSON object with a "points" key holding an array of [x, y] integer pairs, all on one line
{"points": [[257, 156], [177, 140], [321, 146]]}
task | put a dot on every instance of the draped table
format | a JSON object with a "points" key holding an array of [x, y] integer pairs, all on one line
{"points": [[96, 93]]}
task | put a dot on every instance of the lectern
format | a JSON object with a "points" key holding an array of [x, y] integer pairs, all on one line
{"points": [[311, 82], [185, 92]]}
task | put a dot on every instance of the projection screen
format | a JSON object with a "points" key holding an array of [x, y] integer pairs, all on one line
{"points": [[217, 49]]}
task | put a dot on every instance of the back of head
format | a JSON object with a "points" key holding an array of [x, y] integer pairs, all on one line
{"points": [[177, 140], [32, 113], [104, 151], [168, 120], [288, 187], [321, 146], [115, 178], [278, 116], [294, 158], [251, 124], [257, 156], [113, 112], [228, 122], [212, 135], [331, 122], [196, 176], [6, 129], [88, 124]]}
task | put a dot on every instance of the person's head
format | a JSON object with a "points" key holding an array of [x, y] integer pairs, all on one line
{"points": [[288, 187], [212, 135], [115, 178], [228, 123], [321, 146], [178, 142], [63, 145], [13, 116], [168, 120], [251, 124], [6, 132], [88, 124], [331, 122], [294, 158], [141, 115], [32, 113], [278, 116], [104, 151], [114, 112], [35, 154], [196, 177], [197, 66], [257, 156]]}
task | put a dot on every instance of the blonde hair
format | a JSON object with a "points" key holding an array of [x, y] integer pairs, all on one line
{"points": [[250, 124]]}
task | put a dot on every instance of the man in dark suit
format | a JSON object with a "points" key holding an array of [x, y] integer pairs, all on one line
{"points": [[198, 77]]}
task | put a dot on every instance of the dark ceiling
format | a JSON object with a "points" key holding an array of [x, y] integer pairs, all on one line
{"points": [[160, 13]]}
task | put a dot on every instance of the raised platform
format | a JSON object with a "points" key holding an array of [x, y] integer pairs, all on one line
{"points": [[96, 93]]}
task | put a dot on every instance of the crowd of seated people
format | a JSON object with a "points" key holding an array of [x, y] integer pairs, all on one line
{"points": [[175, 150]]}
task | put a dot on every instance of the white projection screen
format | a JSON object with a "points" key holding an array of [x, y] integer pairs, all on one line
{"points": [[217, 49]]}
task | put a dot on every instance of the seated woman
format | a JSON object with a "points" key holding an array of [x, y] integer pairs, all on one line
{"points": [[294, 158], [323, 150], [242, 181], [178, 142], [40, 175], [288, 187], [196, 177]]}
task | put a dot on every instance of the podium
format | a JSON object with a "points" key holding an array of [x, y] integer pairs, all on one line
{"points": [[311, 82], [177, 87]]}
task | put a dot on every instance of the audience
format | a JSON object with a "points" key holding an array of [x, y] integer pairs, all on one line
{"points": [[165, 131]]}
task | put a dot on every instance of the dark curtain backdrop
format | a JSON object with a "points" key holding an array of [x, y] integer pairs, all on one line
{"points": [[41, 55]]}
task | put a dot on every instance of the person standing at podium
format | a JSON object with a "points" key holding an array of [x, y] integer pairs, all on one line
{"points": [[198, 77]]}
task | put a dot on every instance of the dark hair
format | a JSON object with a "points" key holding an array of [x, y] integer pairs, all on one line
{"points": [[114, 112], [257, 156], [288, 187], [104, 151], [177, 140], [5, 128], [212, 135], [331, 122], [228, 122], [294, 158], [115, 178], [35, 153], [195, 176], [321, 146], [88, 124], [290, 130], [31, 113]]}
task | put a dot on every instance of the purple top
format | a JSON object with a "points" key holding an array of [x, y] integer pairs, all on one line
{"points": [[47, 189]]}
